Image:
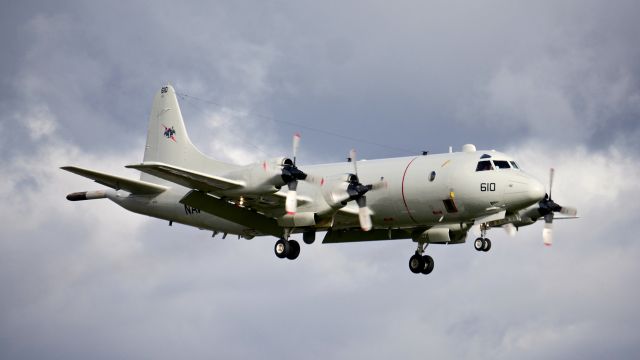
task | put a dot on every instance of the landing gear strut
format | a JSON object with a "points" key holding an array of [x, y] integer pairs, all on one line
{"points": [[420, 263], [482, 243]]}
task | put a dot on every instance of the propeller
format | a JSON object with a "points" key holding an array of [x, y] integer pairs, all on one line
{"points": [[547, 209], [356, 191], [290, 175], [510, 229]]}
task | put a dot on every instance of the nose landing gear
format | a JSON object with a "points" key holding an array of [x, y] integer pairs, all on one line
{"points": [[482, 243]]}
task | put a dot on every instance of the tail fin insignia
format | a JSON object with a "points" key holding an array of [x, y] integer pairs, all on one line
{"points": [[169, 132]]}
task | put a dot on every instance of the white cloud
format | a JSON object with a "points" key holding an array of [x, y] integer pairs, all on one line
{"points": [[39, 121]]}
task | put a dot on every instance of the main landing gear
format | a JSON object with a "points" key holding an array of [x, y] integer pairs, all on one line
{"points": [[289, 249], [420, 263], [482, 243]]}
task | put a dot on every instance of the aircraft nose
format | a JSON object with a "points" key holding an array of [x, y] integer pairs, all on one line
{"points": [[535, 190]]}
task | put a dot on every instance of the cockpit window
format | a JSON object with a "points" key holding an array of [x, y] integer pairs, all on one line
{"points": [[484, 165], [515, 166], [501, 164]]}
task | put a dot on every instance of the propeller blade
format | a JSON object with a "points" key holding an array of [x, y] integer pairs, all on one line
{"points": [[364, 215], [551, 174], [568, 210], [378, 185], [291, 202], [315, 179], [296, 145], [510, 229], [547, 231], [352, 156], [547, 234]]}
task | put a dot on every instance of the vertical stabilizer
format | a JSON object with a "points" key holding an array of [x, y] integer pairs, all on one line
{"points": [[168, 142]]}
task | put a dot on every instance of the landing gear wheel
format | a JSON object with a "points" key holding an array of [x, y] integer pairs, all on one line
{"points": [[282, 248], [416, 264], [428, 264], [487, 245], [294, 250], [478, 244]]}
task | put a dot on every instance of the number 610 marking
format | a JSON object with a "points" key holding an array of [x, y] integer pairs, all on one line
{"points": [[487, 186]]}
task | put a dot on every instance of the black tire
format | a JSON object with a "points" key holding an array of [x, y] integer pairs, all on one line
{"points": [[416, 264], [294, 250], [282, 248], [428, 264], [487, 245], [478, 244]]}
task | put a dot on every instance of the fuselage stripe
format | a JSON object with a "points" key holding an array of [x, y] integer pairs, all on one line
{"points": [[403, 198]]}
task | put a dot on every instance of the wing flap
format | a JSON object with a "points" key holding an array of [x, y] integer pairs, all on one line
{"points": [[117, 182], [187, 178]]}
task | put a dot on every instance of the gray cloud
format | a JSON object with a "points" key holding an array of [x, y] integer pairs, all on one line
{"points": [[554, 84]]}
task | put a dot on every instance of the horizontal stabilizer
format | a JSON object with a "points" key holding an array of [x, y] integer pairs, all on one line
{"points": [[117, 182], [187, 178], [231, 212]]}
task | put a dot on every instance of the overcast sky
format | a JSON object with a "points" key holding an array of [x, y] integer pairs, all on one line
{"points": [[554, 83]]}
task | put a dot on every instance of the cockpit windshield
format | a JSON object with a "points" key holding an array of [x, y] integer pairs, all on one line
{"points": [[485, 165]]}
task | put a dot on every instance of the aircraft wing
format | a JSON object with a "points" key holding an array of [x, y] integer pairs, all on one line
{"points": [[187, 178], [232, 212], [117, 182], [272, 204]]}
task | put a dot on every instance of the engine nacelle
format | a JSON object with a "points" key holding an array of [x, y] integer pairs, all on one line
{"points": [[260, 178], [298, 220]]}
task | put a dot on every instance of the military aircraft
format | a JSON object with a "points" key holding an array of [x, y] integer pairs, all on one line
{"points": [[429, 198]]}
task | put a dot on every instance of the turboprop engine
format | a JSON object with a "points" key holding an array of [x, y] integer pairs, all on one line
{"points": [[267, 176], [338, 191], [270, 175]]}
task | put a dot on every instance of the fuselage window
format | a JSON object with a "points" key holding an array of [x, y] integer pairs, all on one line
{"points": [[515, 166], [432, 176], [484, 165], [501, 164]]}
